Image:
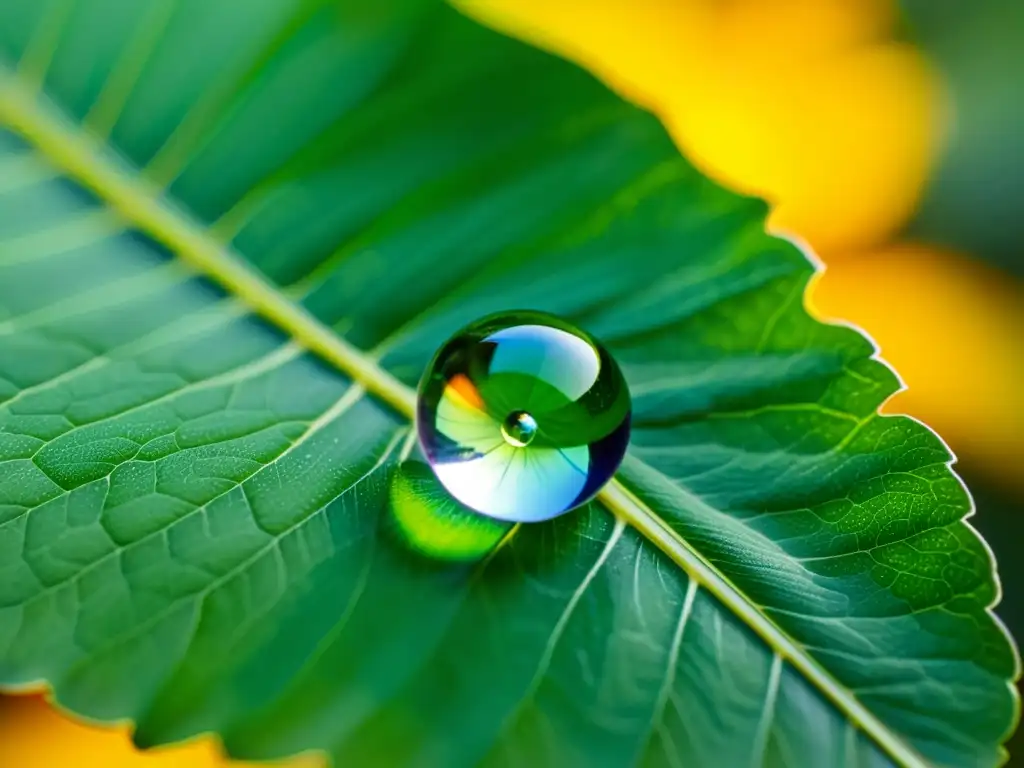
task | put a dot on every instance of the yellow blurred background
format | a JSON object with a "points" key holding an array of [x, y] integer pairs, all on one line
{"points": [[821, 108]]}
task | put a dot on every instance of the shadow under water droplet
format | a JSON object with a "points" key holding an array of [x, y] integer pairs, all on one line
{"points": [[429, 521]]}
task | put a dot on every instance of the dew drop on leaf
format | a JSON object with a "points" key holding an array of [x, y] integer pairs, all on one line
{"points": [[523, 416]]}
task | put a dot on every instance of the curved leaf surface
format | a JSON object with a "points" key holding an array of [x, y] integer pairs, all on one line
{"points": [[232, 235]]}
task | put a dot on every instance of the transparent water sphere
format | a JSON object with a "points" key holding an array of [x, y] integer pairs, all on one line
{"points": [[523, 416]]}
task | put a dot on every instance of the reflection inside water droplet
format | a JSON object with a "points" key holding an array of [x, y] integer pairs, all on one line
{"points": [[523, 416]]}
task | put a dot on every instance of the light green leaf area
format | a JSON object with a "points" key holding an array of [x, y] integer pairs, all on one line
{"points": [[231, 235]]}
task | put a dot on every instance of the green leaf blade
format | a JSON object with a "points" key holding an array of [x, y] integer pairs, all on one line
{"points": [[191, 505]]}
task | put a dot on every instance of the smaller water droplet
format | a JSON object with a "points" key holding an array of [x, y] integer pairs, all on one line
{"points": [[519, 429]]}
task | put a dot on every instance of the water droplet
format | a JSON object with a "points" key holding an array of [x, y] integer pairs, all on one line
{"points": [[518, 429], [523, 416]]}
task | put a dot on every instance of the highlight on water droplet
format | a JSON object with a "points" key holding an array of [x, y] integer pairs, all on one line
{"points": [[434, 524], [523, 416]]}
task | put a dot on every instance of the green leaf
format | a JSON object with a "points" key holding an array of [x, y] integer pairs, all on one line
{"points": [[232, 234]]}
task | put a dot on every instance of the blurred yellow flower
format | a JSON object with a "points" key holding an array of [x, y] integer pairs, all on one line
{"points": [[35, 735], [808, 103]]}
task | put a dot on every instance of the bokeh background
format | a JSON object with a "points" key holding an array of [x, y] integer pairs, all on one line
{"points": [[887, 135]]}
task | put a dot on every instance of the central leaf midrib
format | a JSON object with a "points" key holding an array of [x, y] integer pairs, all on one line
{"points": [[139, 202]]}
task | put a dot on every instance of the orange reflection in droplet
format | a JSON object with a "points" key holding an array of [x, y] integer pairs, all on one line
{"points": [[464, 392]]}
